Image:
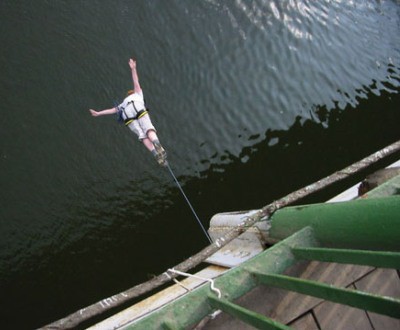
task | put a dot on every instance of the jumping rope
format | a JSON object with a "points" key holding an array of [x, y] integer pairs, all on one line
{"points": [[187, 200]]}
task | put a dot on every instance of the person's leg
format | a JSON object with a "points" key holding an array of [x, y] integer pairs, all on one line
{"points": [[151, 139], [148, 144], [138, 130], [161, 154], [147, 127], [152, 135]]}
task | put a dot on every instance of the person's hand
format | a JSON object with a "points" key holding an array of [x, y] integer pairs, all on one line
{"points": [[132, 64], [93, 113]]}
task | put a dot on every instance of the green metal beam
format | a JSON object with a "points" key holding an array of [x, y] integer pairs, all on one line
{"points": [[254, 319], [372, 224], [357, 257], [168, 325], [366, 301]]}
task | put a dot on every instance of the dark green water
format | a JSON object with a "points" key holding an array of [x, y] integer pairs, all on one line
{"points": [[252, 99]]}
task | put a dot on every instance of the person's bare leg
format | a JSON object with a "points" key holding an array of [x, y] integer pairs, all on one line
{"points": [[162, 155], [148, 144], [152, 135]]}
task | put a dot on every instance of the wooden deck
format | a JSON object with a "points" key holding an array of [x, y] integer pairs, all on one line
{"points": [[303, 312]]}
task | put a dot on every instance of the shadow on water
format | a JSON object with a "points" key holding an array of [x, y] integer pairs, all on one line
{"points": [[113, 257], [286, 160]]}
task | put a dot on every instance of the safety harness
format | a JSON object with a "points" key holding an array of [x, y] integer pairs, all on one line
{"points": [[139, 114]]}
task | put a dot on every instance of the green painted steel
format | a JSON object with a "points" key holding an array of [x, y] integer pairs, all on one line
{"points": [[356, 257], [168, 325], [359, 299], [194, 306], [254, 319], [360, 224]]}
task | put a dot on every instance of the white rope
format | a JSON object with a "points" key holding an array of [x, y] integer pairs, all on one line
{"points": [[213, 288], [190, 205], [177, 282]]}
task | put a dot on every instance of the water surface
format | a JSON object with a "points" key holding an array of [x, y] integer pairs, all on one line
{"points": [[252, 99]]}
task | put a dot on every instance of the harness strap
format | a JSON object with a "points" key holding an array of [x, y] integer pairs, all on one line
{"points": [[139, 115]]}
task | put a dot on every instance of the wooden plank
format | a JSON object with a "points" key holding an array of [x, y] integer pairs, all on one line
{"points": [[284, 306], [305, 322], [383, 282], [333, 316], [293, 304], [354, 298]]}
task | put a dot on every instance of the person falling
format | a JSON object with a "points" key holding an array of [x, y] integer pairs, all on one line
{"points": [[134, 114]]}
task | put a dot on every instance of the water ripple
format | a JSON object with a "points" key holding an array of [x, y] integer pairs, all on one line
{"points": [[233, 87]]}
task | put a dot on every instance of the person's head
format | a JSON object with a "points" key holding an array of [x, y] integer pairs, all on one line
{"points": [[130, 92]]}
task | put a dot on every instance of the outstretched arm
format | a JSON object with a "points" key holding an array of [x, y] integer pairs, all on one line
{"points": [[103, 112], [135, 77]]}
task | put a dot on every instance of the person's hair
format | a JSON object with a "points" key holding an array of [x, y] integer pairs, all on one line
{"points": [[131, 91]]}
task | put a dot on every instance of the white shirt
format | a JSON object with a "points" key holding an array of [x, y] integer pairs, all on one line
{"points": [[131, 105]]}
